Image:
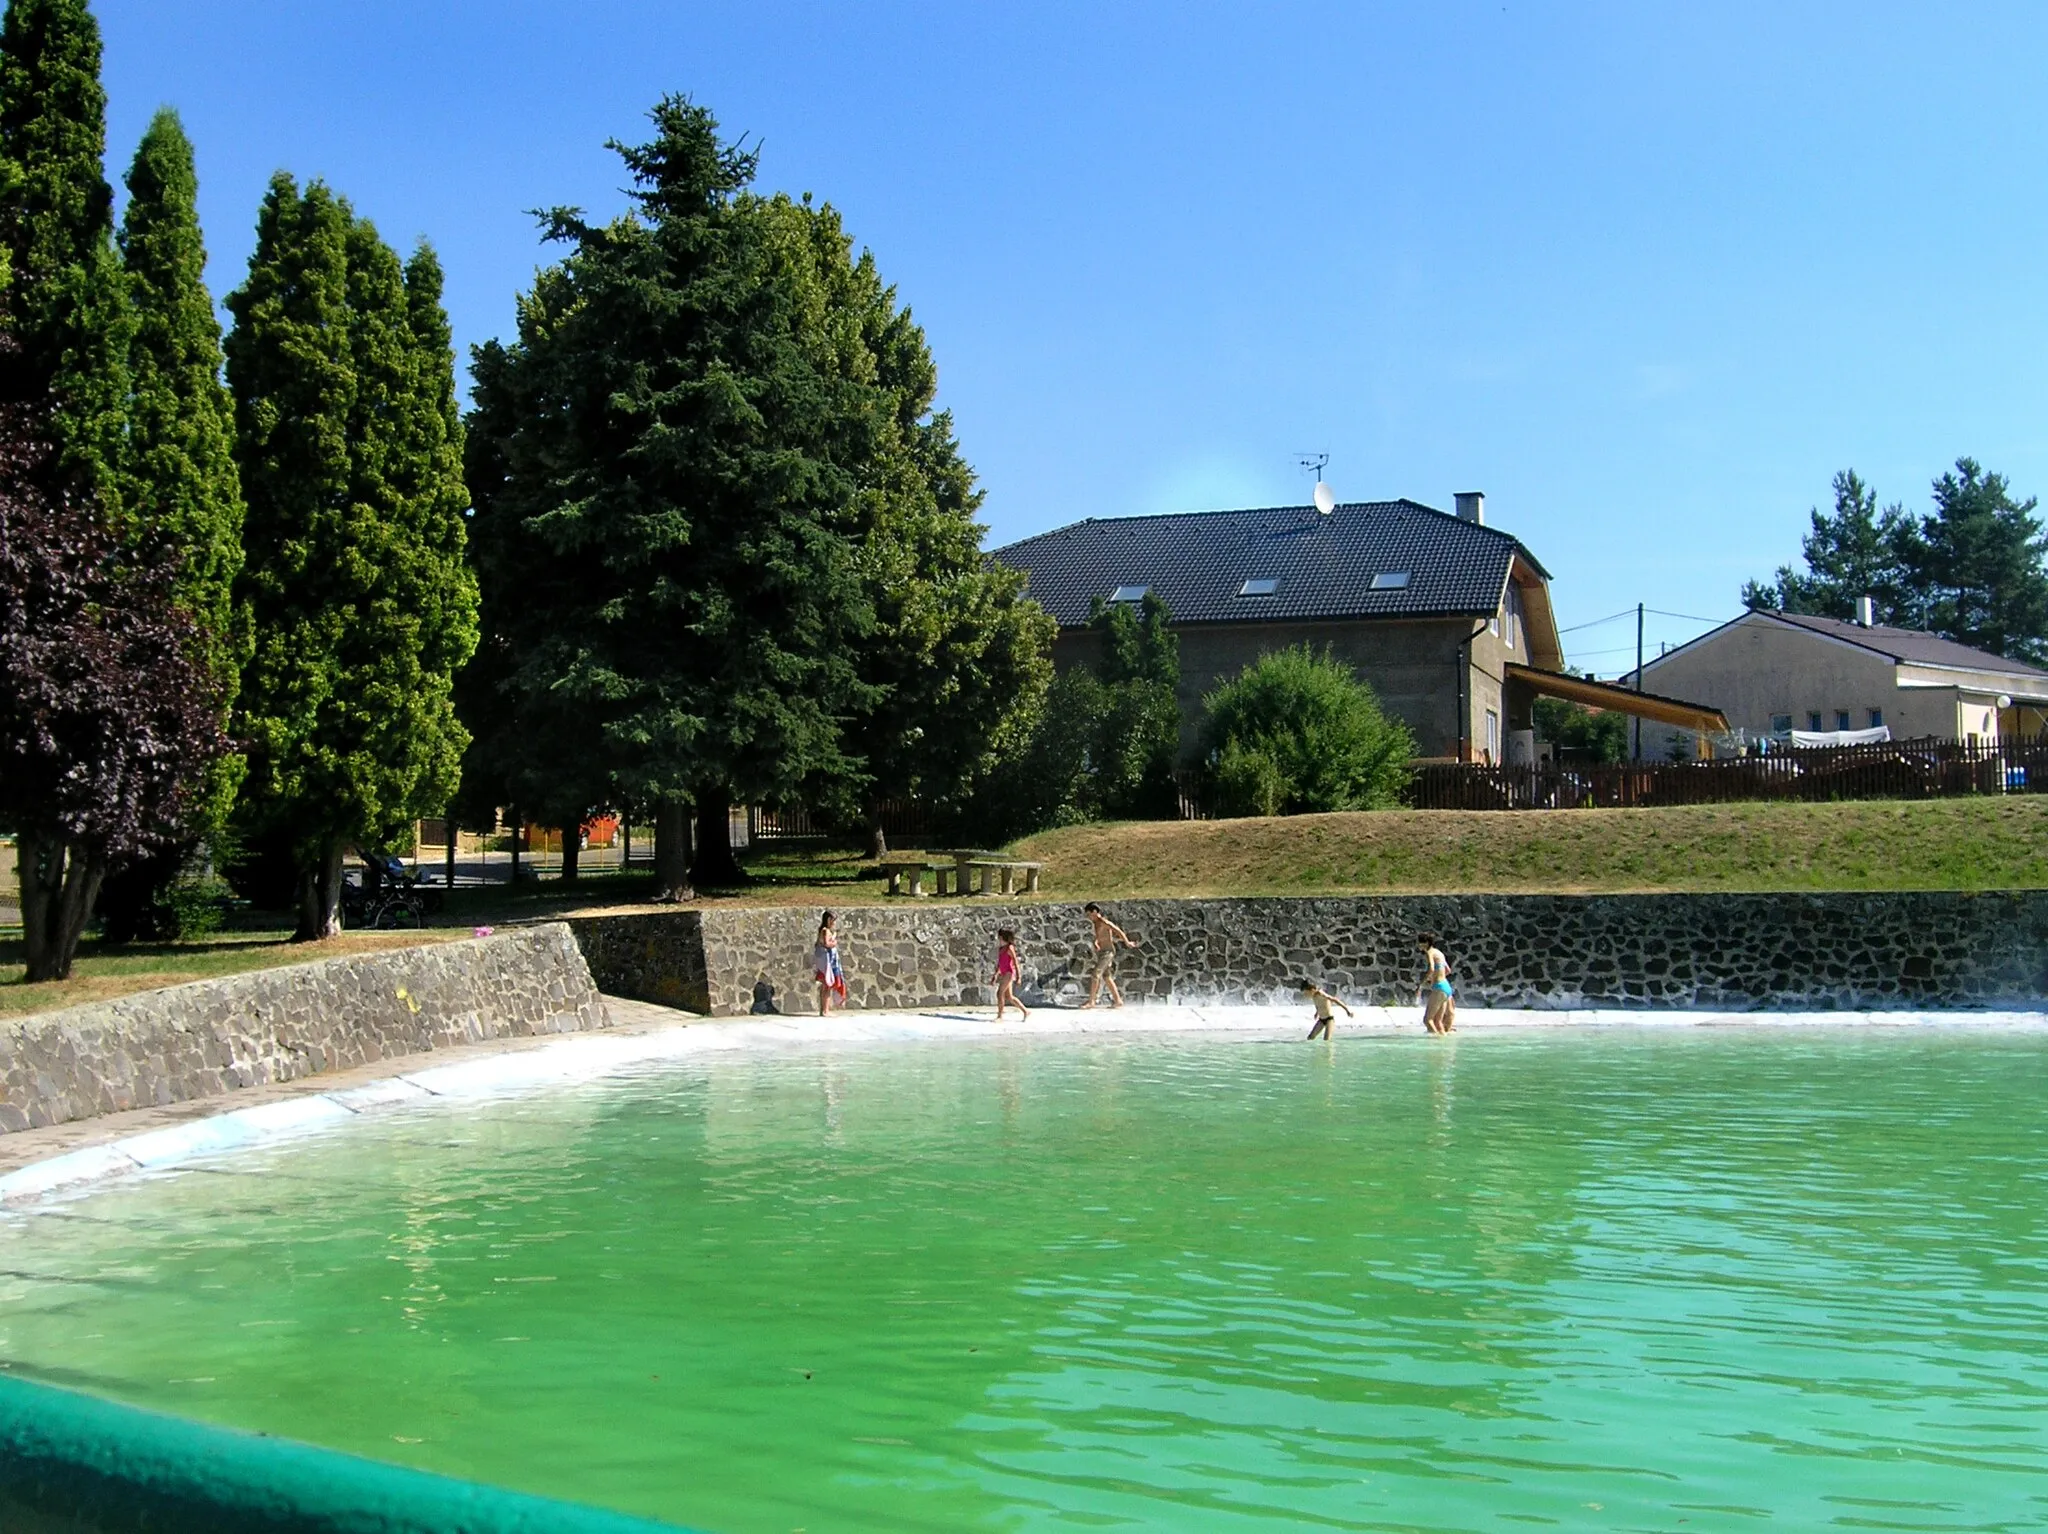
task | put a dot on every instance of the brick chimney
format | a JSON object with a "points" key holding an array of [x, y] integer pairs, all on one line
{"points": [[1472, 507]]}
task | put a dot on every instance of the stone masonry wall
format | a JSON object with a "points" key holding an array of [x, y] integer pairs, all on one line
{"points": [[1820, 951], [214, 1036]]}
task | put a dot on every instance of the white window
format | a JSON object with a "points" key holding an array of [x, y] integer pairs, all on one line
{"points": [[1390, 580], [1842, 719], [1813, 722], [1129, 593], [1260, 587], [1877, 719], [1492, 737]]}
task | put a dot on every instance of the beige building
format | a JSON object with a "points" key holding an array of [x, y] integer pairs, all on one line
{"points": [[1773, 673], [1448, 620]]}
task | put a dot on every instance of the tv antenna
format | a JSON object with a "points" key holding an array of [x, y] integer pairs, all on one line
{"points": [[1325, 497]]}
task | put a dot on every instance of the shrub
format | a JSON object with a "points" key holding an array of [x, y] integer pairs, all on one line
{"points": [[1295, 733]]}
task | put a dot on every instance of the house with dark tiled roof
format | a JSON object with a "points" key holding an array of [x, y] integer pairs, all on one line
{"points": [[1774, 674], [1447, 619]]}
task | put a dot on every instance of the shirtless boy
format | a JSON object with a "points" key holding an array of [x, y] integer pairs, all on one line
{"points": [[1323, 1002], [1108, 938]]}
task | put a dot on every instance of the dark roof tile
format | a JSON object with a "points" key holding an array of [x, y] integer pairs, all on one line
{"points": [[1910, 646], [1197, 562]]}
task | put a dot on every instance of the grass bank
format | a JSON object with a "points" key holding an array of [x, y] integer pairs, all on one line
{"points": [[1943, 844]]}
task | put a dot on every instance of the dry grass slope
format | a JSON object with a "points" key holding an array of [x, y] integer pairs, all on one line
{"points": [[1948, 844]]}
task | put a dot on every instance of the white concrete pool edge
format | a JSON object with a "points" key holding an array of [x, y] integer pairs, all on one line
{"points": [[572, 1058]]}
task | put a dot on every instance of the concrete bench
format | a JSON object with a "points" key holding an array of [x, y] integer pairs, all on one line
{"points": [[978, 874], [914, 869]]}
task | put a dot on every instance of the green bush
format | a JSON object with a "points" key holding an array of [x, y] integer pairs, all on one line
{"points": [[1595, 733], [1296, 733]]}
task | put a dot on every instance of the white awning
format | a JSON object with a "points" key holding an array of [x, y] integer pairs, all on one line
{"points": [[1804, 738]]}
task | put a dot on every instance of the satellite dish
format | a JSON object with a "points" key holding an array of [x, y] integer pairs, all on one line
{"points": [[1326, 498]]}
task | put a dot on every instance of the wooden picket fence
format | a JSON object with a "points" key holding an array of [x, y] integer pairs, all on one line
{"points": [[1900, 769]]}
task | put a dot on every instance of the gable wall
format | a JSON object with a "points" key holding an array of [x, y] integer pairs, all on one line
{"points": [[1411, 665]]}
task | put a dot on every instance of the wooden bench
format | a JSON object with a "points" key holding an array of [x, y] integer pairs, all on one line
{"points": [[914, 868]]}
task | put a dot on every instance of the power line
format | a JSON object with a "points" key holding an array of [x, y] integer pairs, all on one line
{"points": [[1688, 617], [1626, 612]]}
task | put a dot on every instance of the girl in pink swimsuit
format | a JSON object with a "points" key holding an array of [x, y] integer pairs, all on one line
{"points": [[1007, 972]]}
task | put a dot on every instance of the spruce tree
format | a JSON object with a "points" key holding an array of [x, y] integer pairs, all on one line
{"points": [[1981, 559], [363, 606], [67, 300], [666, 463]]}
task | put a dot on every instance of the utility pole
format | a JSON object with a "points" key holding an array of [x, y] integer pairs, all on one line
{"points": [[1637, 754]]}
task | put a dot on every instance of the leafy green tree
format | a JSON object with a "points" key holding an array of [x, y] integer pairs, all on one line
{"points": [[669, 464], [1855, 552], [1600, 735], [67, 300], [1296, 733], [958, 661], [1979, 557], [363, 605]]}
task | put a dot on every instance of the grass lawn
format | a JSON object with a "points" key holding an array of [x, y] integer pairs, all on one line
{"points": [[103, 970], [1959, 844], [1940, 844]]}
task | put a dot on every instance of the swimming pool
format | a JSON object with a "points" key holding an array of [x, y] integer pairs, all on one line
{"points": [[1601, 1280]]}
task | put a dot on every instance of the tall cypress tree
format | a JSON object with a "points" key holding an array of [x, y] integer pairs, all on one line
{"points": [[67, 300], [363, 606], [181, 492]]}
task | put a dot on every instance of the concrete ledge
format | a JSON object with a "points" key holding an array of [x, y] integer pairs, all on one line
{"points": [[217, 1036]]}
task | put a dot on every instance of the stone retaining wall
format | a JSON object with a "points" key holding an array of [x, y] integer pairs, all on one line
{"points": [[1715, 951], [213, 1036]]}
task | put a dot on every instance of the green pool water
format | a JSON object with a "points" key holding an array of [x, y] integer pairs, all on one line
{"points": [[1625, 1280]]}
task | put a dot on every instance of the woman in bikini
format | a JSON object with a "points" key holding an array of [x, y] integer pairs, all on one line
{"points": [[1008, 972], [825, 965], [1439, 1001]]}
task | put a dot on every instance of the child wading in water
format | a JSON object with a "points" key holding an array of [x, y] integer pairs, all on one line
{"points": [[1323, 1001], [1007, 972], [825, 965], [1439, 1001]]}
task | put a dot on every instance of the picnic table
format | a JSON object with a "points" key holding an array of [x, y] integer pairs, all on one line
{"points": [[978, 871], [912, 867]]}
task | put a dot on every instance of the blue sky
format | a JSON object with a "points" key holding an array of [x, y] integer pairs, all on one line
{"points": [[1645, 275]]}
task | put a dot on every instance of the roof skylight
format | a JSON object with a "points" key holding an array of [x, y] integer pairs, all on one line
{"points": [[1129, 593], [1390, 580], [1261, 586]]}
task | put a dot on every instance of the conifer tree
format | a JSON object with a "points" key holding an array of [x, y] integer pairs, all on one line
{"points": [[67, 301], [363, 607], [666, 461], [181, 493]]}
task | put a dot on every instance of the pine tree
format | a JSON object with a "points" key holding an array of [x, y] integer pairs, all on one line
{"points": [[1857, 551], [363, 607], [67, 300], [1982, 563]]}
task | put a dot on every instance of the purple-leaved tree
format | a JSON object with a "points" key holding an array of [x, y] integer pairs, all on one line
{"points": [[107, 721]]}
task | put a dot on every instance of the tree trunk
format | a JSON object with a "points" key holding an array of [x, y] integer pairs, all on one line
{"points": [[672, 850], [449, 835], [320, 897], [714, 866], [878, 835], [572, 851], [514, 818], [59, 882]]}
